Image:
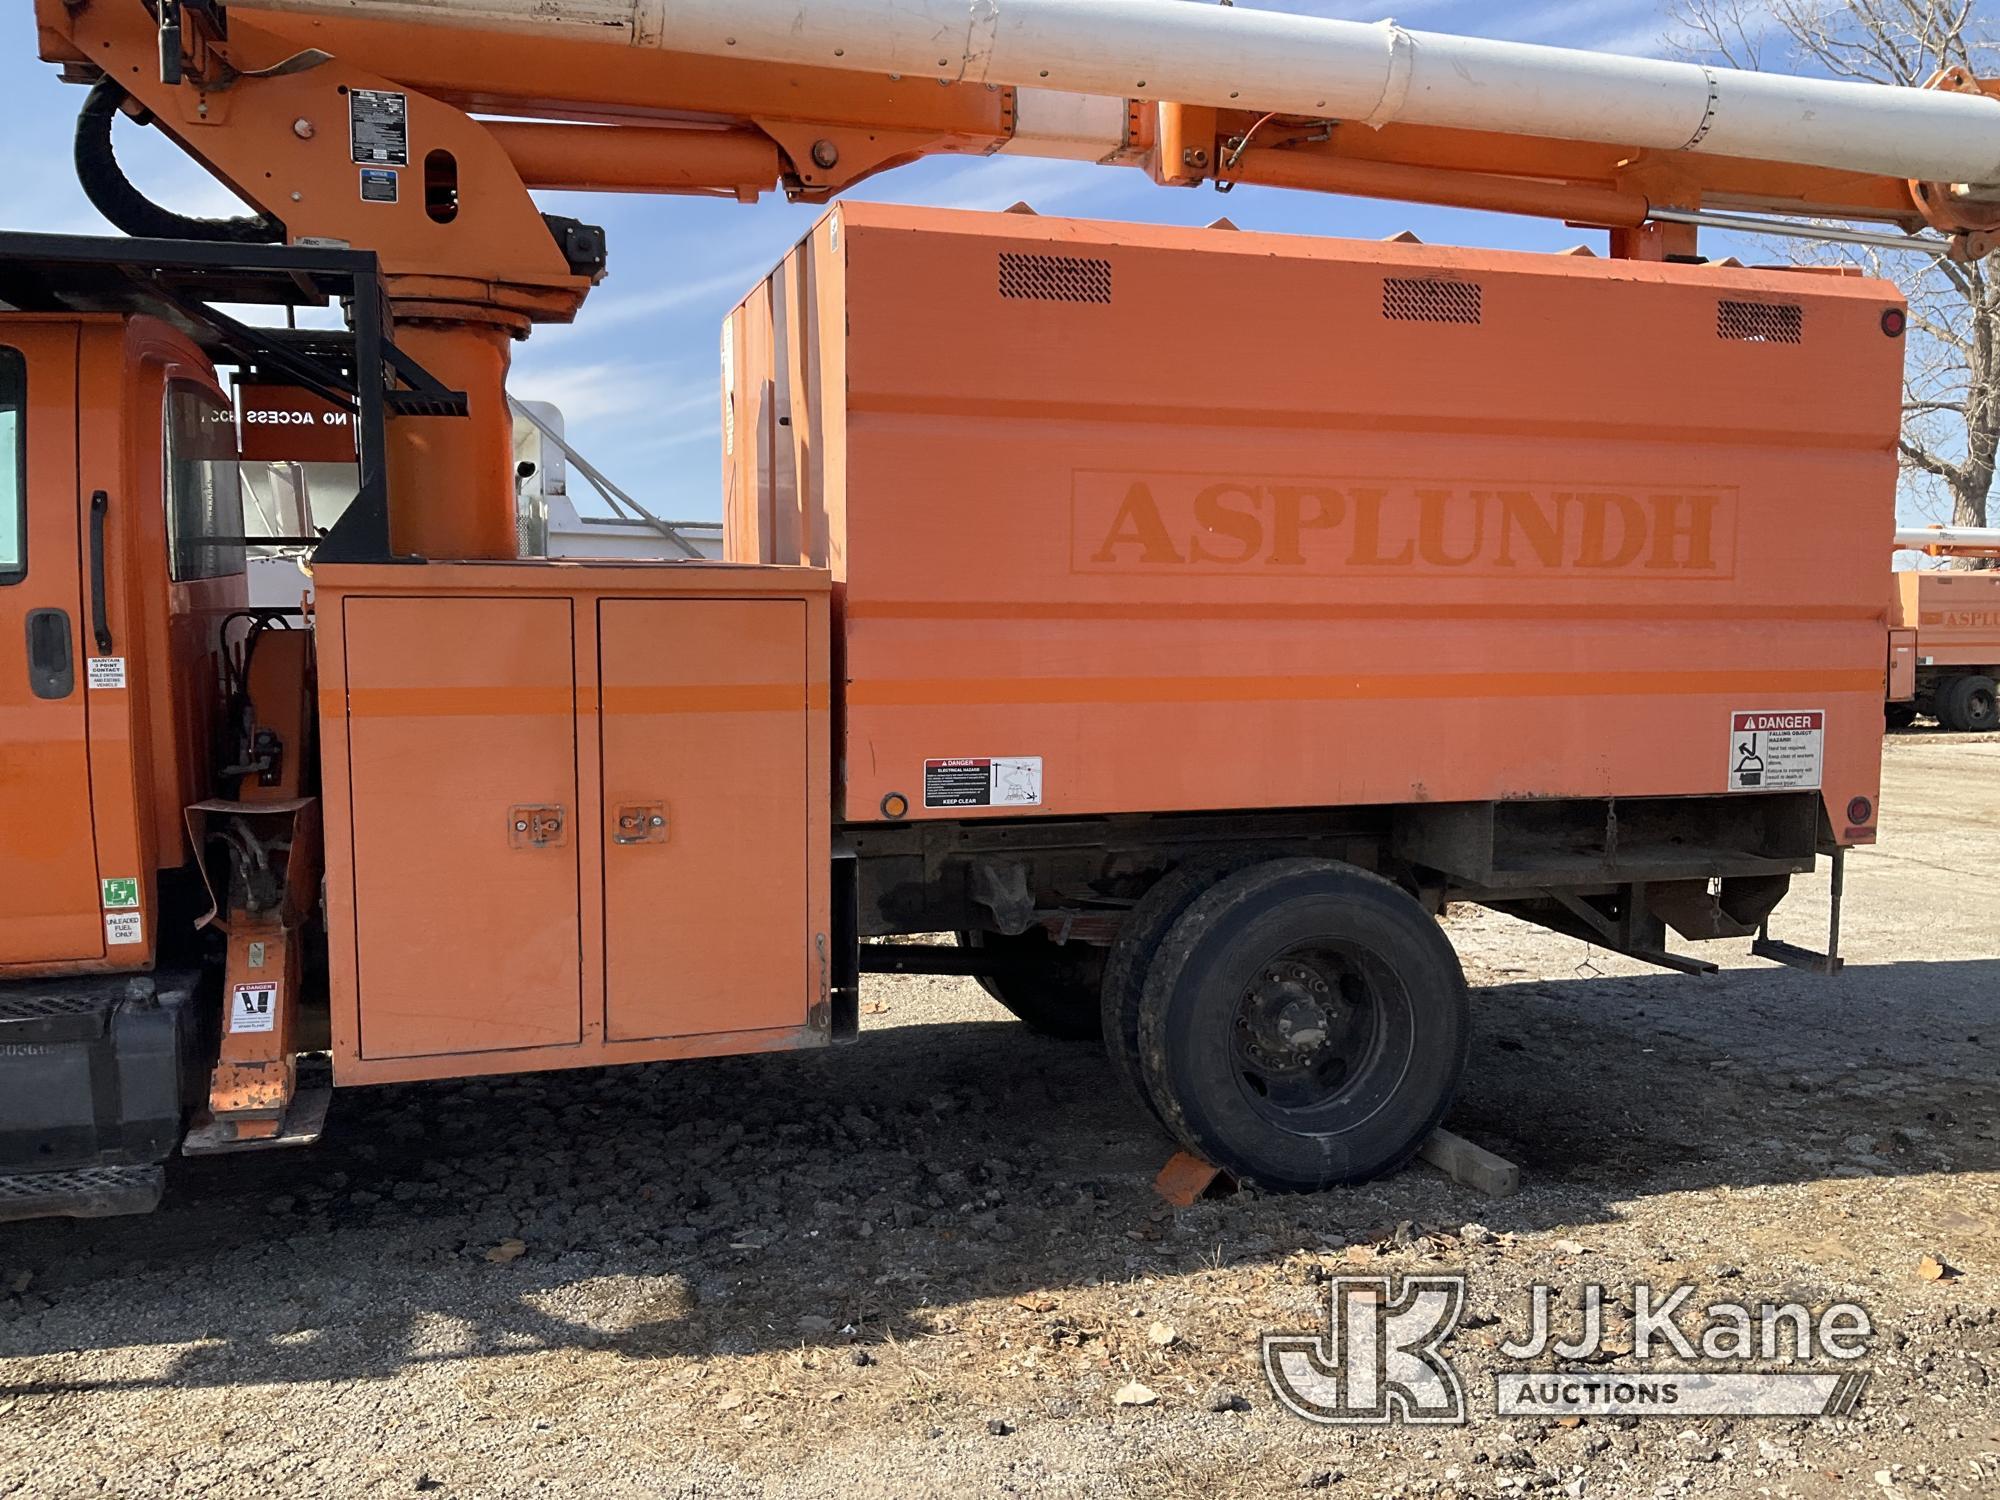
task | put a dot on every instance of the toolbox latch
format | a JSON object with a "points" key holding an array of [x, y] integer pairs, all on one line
{"points": [[536, 827], [641, 823]]}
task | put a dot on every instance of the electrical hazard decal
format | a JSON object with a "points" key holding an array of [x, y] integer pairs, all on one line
{"points": [[253, 1007], [1776, 752], [983, 781]]}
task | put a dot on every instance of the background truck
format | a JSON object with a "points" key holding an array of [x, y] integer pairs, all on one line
{"points": [[1948, 627], [1181, 617]]}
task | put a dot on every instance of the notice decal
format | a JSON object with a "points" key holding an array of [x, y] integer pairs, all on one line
{"points": [[1781, 751], [121, 929], [984, 781]]}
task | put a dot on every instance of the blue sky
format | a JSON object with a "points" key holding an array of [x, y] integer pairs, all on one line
{"points": [[637, 374]]}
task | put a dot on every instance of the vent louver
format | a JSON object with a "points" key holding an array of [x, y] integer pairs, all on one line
{"points": [[1760, 322], [1055, 278], [1408, 299]]}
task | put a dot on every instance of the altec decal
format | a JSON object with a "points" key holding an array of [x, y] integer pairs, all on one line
{"points": [[1211, 523]]}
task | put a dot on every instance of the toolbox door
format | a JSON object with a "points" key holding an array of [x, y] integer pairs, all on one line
{"points": [[462, 764], [51, 907], [707, 922]]}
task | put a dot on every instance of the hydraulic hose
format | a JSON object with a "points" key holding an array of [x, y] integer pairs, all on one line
{"points": [[112, 194]]}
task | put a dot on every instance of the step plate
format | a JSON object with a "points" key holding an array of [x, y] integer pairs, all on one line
{"points": [[84, 1193]]}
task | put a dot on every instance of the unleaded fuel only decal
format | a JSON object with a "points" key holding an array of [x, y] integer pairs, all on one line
{"points": [[984, 781], [1780, 751]]}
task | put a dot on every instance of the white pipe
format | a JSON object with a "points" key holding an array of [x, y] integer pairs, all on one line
{"points": [[1237, 57], [1798, 229], [1061, 126], [1948, 538]]}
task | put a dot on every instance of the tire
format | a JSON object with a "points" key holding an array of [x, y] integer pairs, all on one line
{"points": [[1968, 705], [1901, 715], [1139, 938], [1248, 968], [1052, 987]]}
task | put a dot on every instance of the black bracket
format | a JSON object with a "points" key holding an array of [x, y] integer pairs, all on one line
{"points": [[1636, 934], [210, 16], [180, 281], [422, 393]]}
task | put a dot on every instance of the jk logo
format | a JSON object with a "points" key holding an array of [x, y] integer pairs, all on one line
{"points": [[1379, 1359]]}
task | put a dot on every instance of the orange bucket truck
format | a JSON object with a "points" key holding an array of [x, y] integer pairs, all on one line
{"points": [[1181, 617], [1946, 633]]}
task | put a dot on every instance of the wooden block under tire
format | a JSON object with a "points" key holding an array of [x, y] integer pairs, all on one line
{"points": [[1471, 1166]]}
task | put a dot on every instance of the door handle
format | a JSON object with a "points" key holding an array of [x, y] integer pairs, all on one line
{"points": [[100, 616], [51, 661]]}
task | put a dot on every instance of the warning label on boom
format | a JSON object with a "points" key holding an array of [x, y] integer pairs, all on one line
{"points": [[981, 781], [1776, 752], [379, 127]]}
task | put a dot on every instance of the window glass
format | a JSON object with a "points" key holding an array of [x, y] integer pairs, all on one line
{"points": [[204, 486], [13, 467]]}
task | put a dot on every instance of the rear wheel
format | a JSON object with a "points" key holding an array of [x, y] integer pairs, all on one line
{"points": [[1051, 986], [1304, 1024], [1969, 705], [1144, 930]]}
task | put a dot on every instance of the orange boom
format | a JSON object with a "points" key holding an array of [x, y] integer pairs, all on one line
{"points": [[1180, 617]]}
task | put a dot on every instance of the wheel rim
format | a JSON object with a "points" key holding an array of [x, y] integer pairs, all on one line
{"points": [[1979, 707], [1319, 1037]]}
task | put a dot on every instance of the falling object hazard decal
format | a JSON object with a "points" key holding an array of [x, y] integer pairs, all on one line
{"points": [[1781, 751]]}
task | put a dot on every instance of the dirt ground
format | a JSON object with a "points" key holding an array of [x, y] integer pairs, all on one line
{"points": [[925, 1264]]}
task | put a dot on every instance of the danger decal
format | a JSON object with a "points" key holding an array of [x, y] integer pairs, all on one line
{"points": [[253, 1007], [984, 781], [1777, 751]]}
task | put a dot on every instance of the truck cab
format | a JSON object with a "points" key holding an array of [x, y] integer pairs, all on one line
{"points": [[124, 609], [120, 558]]}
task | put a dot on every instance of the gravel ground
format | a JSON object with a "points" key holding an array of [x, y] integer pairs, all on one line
{"points": [[925, 1264]]}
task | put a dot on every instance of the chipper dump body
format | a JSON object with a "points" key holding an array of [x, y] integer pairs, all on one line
{"points": [[1951, 623], [1147, 519]]}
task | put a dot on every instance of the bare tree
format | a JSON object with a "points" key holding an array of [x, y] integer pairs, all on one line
{"points": [[1951, 403]]}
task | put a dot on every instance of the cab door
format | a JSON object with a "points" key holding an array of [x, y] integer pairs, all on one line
{"points": [[50, 910]]}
